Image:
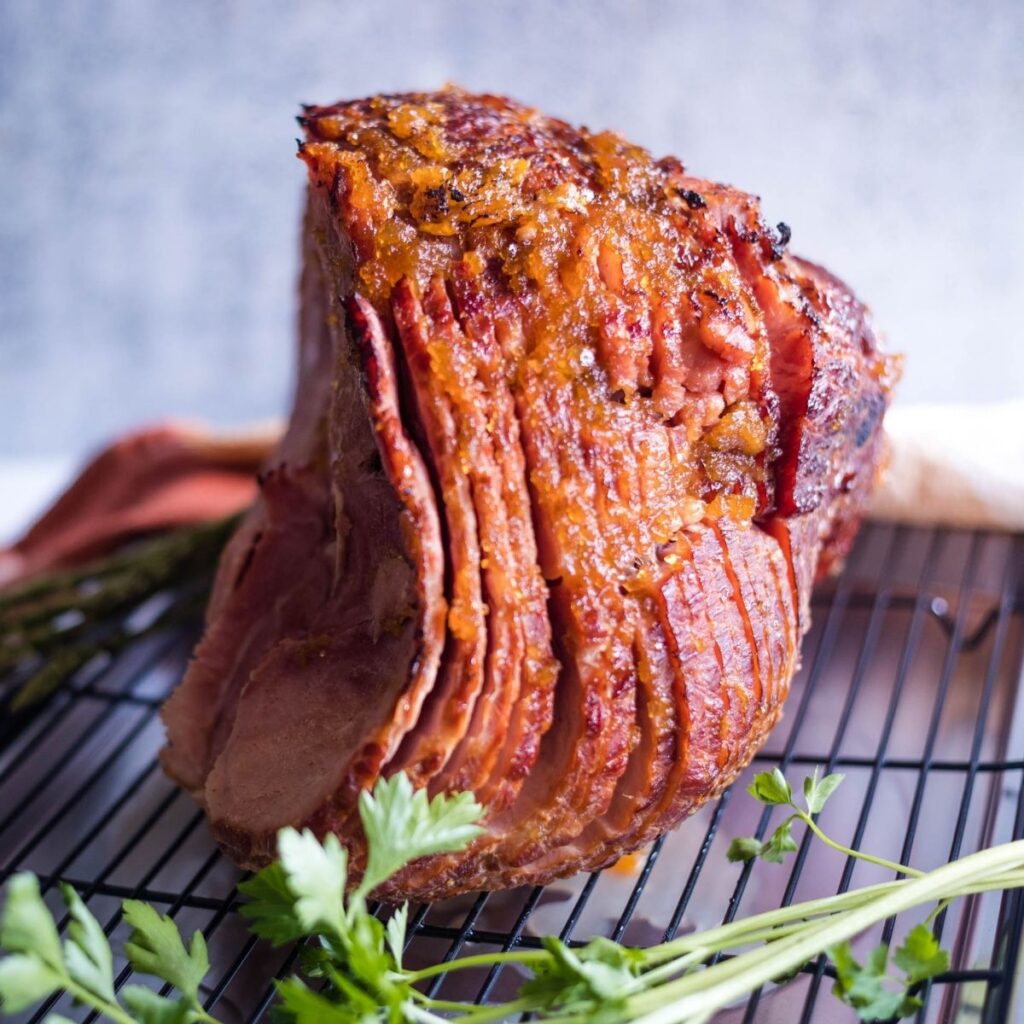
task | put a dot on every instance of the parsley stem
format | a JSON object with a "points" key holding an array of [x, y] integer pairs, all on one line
{"points": [[671, 968], [498, 1011], [113, 1011], [695, 994], [773, 924], [524, 956], [882, 862], [728, 936], [417, 1013], [442, 1004]]}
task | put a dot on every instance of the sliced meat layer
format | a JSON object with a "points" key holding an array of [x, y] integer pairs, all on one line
{"points": [[586, 750], [429, 746], [655, 762], [531, 713], [431, 337], [283, 546], [344, 686], [827, 369], [276, 568], [705, 765]]}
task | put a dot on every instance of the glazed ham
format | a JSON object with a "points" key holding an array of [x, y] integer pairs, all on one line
{"points": [[573, 437]]}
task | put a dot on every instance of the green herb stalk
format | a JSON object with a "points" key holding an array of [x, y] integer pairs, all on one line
{"points": [[53, 625]]}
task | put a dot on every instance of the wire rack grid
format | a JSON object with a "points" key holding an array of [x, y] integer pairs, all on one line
{"points": [[910, 686]]}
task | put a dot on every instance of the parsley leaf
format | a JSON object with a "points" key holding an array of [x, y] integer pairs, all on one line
{"points": [[818, 790], [771, 788], [24, 980], [370, 964], [867, 988], [780, 843], [87, 952], [270, 908], [28, 925], [41, 965], [744, 848], [593, 980], [301, 1005], [402, 825], [395, 929], [150, 1007], [155, 947], [920, 956], [773, 850], [358, 957], [877, 995], [316, 874], [27, 930]]}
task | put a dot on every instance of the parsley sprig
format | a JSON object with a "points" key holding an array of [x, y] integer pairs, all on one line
{"points": [[874, 993], [303, 896], [773, 789], [40, 965], [351, 972]]}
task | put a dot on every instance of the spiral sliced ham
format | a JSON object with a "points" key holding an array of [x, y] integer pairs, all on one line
{"points": [[573, 437]]}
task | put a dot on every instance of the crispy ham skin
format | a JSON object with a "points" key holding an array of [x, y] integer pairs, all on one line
{"points": [[573, 437]]}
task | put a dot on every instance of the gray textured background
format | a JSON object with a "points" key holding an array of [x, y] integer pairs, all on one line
{"points": [[150, 195]]}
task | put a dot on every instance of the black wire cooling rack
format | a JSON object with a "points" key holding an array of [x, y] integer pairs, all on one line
{"points": [[910, 683]]}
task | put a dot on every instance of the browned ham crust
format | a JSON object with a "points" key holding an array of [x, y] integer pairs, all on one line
{"points": [[574, 434]]}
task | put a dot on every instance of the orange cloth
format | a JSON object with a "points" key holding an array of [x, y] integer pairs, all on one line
{"points": [[151, 479]]}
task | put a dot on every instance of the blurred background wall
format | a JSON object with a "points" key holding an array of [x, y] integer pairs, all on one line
{"points": [[150, 195]]}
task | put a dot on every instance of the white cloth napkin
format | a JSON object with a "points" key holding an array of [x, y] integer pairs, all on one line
{"points": [[955, 465]]}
